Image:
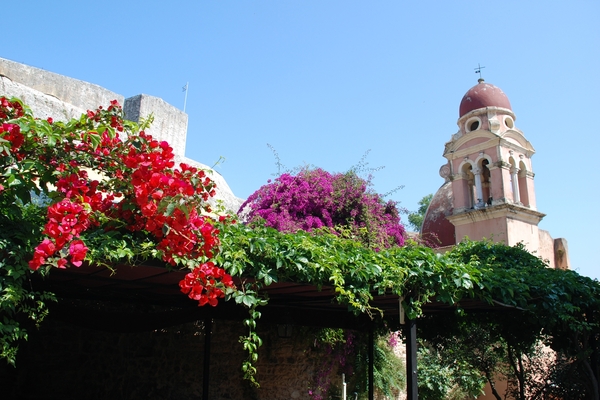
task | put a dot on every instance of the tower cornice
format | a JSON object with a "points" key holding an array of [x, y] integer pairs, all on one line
{"points": [[508, 211], [489, 111]]}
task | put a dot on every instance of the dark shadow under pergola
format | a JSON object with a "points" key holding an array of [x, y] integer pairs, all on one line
{"points": [[296, 303]]}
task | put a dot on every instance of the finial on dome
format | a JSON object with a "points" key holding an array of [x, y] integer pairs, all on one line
{"points": [[478, 71], [480, 80]]}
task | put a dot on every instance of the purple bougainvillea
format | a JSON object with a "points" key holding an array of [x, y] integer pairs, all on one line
{"points": [[315, 198]]}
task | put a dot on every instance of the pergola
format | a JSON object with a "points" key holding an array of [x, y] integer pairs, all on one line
{"points": [[289, 304]]}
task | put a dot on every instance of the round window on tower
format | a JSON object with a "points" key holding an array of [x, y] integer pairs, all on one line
{"points": [[508, 121], [473, 124]]}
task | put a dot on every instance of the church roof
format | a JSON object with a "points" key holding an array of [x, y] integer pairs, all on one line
{"points": [[483, 95], [437, 231]]}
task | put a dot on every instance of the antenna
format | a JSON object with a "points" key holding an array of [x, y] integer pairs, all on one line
{"points": [[185, 89], [478, 70]]}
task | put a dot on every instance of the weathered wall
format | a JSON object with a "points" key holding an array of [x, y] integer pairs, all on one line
{"points": [[62, 98], [170, 123], [546, 247], [42, 105], [80, 94], [556, 251], [561, 254]]}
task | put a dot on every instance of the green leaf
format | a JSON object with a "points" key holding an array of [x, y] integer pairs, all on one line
{"points": [[170, 209]]}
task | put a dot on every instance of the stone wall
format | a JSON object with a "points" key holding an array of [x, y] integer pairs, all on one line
{"points": [[64, 361], [62, 98], [170, 123], [79, 94]]}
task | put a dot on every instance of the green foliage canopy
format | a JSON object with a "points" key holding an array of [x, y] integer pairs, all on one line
{"points": [[542, 306]]}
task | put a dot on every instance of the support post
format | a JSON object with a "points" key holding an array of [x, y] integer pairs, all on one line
{"points": [[371, 364], [411, 360], [206, 369]]}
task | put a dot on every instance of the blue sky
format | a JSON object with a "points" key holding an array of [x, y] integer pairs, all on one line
{"points": [[323, 82]]}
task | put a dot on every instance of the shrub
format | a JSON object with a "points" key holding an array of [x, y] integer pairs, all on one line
{"points": [[341, 203]]}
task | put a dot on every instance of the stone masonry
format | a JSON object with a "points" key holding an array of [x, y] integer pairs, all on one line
{"points": [[62, 98]]}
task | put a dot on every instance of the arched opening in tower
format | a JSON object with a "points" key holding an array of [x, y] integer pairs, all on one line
{"points": [[486, 182], [523, 188], [469, 186]]}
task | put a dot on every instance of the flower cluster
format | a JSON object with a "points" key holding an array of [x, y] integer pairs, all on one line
{"points": [[12, 134], [11, 137], [201, 284], [10, 109], [315, 199], [93, 179], [155, 189], [66, 221]]}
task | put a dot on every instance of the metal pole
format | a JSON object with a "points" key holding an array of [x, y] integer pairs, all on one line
{"points": [[187, 85], [411, 360], [371, 364]]}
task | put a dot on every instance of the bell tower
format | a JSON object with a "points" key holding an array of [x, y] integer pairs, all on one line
{"points": [[490, 170], [489, 190]]}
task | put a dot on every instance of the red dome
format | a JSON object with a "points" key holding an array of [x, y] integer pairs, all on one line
{"points": [[483, 95], [437, 231]]}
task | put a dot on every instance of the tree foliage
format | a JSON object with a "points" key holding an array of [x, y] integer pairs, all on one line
{"points": [[441, 377], [416, 218], [553, 348], [556, 306]]}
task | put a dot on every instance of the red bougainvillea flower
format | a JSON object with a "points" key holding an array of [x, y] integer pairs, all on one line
{"points": [[201, 284], [137, 188], [12, 134], [41, 252], [77, 250]]}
